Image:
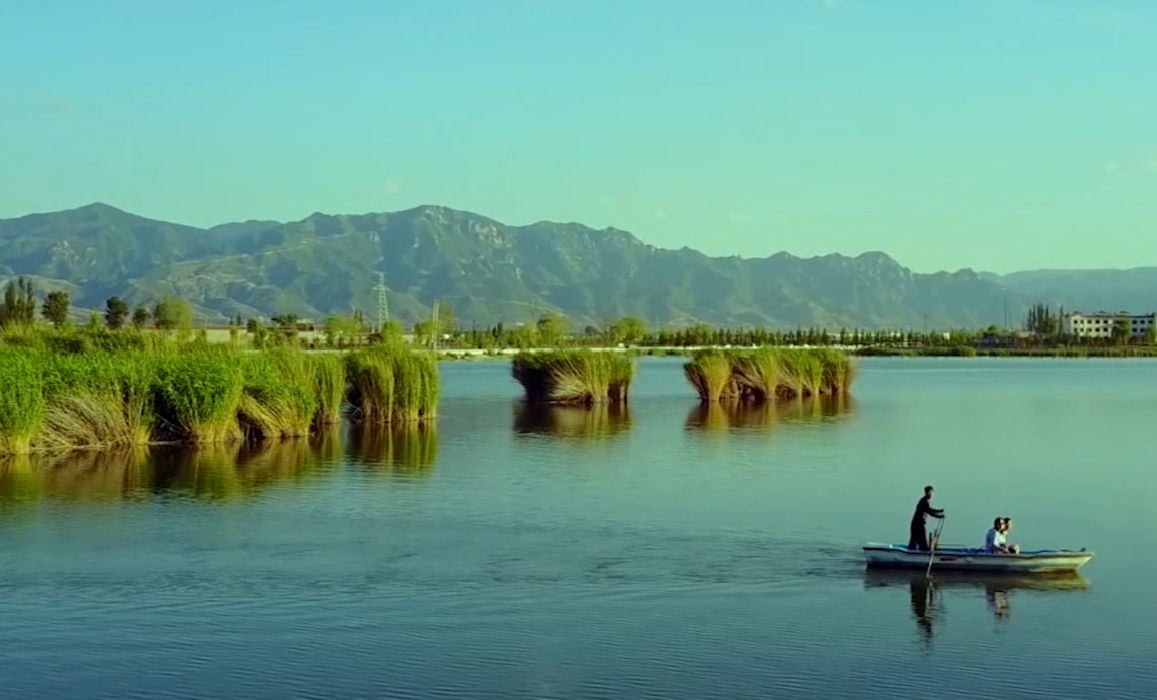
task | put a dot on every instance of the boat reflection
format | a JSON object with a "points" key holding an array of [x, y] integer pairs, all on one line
{"points": [[570, 422], [926, 592], [733, 416]]}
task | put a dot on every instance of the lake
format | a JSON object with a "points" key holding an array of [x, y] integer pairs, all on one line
{"points": [[660, 552]]}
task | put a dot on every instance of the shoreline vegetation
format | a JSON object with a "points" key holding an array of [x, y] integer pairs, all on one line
{"points": [[1041, 332], [66, 390]]}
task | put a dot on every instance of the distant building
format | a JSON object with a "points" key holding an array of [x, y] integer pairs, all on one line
{"points": [[1103, 324]]}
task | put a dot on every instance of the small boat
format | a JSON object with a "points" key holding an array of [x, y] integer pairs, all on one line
{"points": [[959, 558]]}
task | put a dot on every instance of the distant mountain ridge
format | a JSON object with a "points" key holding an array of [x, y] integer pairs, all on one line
{"points": [[489, 272]]}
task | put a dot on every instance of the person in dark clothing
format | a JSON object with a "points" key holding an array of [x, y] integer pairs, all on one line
{"points": [[918, 535]]}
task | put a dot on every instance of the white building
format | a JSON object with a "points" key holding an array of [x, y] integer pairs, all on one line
{"points": [[1104, 324]]}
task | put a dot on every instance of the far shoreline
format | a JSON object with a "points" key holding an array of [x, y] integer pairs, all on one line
{"points": [[1126, 352]]}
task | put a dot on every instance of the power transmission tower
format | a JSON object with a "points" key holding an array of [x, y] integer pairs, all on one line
{"points": [[435, 330], [383, 306]]}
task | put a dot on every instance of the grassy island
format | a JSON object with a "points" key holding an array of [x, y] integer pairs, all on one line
{"points": [[574, 377], [767, 374], [62, 390]]}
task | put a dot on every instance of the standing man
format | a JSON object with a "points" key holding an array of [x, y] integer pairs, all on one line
{"points": [[918, 536]]}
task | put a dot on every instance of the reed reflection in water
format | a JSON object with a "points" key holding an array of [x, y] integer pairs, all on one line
{"points": [[222, 470], [569, 422], [926, 593], [406, 449], [731, 416]]}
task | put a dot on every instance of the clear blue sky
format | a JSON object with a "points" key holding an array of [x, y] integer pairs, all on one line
{"points": [[994, 134]]}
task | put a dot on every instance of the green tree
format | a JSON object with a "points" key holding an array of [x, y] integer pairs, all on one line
{"points": [[340, 328], [116, 311], [172, 313], [140, 317], [1122, 330], [19, 305], [1041, 320], [1151, 335], [392, 331], [524, 336], [628, 330], [551, 329], [55, 309]]}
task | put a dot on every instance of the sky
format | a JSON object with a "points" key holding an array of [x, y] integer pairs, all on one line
{"points": [[992, 134]]}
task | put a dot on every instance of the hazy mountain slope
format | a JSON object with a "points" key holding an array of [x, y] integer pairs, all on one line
{"points": [[485, 270]]}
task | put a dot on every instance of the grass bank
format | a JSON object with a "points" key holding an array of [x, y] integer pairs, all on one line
{"points": [[573, 377], [767, 374], [61, 391]]}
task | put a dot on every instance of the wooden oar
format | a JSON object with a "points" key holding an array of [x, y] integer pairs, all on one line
{"points": [[932, 547]]}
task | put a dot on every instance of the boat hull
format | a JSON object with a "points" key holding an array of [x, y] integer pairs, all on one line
{"points": [[894, 556]]}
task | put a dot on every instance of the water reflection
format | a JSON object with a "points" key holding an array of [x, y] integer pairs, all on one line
{"points": [[926, 593], [723, 417], [207, 471], [406, 449], [597, 421]]}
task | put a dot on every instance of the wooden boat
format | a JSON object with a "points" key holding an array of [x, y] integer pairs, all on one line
{"points": [[959, 558]]}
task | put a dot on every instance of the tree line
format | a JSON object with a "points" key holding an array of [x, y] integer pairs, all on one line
{"points": [[20, 305], [1041, 327]]}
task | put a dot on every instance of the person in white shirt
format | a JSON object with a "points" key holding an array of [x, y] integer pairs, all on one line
{"points": [[994, 540], [1012, 548]]}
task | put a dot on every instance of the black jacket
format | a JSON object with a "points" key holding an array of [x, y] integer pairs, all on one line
{"points": [[923, 509]]}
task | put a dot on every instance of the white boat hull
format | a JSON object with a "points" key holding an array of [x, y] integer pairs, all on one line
{"points": [[955, 558]]}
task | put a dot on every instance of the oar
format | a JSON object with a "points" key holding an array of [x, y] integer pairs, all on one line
{"points": [[932, 548]]}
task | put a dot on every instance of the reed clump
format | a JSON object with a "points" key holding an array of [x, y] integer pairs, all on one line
{"points": [[574, 377], [62, 390], [769, 374], [391, 384]]}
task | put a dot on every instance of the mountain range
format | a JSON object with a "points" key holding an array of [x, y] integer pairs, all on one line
{"points": [[489, 272]]}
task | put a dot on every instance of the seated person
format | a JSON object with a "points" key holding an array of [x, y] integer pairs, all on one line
{"points": [[994, 541], [1013, 548]]}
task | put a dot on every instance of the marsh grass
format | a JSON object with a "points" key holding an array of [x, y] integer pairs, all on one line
{"points": [[279, 398], [97, 399], [64, 390], [198, 395], [22, 401], [710, 373], [768, 374], [329, 384], [581, 377], [391, 384]]}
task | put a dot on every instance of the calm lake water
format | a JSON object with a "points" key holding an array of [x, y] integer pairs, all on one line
{"points": [[655, 553]]}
